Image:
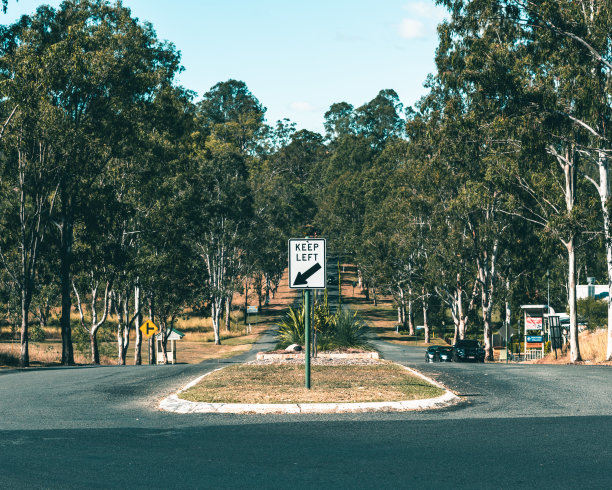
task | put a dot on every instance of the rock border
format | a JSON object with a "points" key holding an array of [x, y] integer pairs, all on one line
{"points": [[267, 356], [174, 404]]}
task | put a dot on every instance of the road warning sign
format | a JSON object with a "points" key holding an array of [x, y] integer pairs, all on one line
{"points": [[149, 328]]}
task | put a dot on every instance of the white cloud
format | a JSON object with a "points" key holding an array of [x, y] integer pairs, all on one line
{"points": [[302, 106], [426, 10], [411, 29]]}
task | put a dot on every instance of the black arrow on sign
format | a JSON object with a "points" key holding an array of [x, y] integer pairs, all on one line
{"points": [[149, 328], [301, 279]]}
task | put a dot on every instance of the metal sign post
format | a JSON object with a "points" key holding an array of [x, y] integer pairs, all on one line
{"points": [[307, 337]]}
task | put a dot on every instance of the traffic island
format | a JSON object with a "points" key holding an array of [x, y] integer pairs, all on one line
{"points": [[337, 387]]}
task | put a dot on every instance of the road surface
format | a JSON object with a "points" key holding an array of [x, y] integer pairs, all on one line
{"points": [[518, 426]]}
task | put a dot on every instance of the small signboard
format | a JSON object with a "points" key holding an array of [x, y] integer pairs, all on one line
{"points": [[252, 309], [533, 323], [307, 263], [149, 328], [534, 338]]}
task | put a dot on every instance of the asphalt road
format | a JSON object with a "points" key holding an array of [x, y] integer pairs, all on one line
{"points": [[518, 426]]}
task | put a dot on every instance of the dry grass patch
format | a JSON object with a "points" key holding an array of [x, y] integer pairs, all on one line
{"points": [[41, 354], [593, 347], [284, 383]]}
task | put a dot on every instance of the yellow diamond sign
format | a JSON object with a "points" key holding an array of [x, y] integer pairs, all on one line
{"points": [[148, 328]]}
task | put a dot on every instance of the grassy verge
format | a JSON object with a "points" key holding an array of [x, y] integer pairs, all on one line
{"points": [[284, 383]]}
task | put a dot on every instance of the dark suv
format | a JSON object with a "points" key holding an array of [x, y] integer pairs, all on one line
{"points": [[468, 350]]}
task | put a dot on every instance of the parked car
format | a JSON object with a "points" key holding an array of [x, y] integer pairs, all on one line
{"points": [[468, 350], [438, 353]]}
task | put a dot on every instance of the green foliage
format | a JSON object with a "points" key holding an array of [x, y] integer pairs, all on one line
{"points": [[349, 330], [36, 333], [593, 311], [81, 341], [291, 329], [344, 329]]}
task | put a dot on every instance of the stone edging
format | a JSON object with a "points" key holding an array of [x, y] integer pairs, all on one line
{"points": [[174, 404], [266, 356]]}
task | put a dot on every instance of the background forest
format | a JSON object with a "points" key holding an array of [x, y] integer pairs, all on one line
{"points": [[121, 194]]}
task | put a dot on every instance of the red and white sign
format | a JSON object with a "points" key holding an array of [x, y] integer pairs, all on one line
{"points": [[533, 323]]}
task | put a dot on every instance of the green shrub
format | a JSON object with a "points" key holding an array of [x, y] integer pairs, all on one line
{"points": [[344, 329], [349, 330], [37, 334], [593, 311], [291, 329], [104, 336]]}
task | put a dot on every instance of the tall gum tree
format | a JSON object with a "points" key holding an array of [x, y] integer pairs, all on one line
{"points": [[511, 63], [99, 67]]}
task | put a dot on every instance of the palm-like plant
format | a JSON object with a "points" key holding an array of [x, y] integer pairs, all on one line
{"points": [[291, 328], [349, 330]]}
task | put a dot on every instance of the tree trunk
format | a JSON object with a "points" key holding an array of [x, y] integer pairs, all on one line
{"points": [[66, 227], [604, 196], [152, 340], [228, 313], [459, 306], [216, 307], [93, 342], [486, 272], [410, 314], [24, 357], [573, 313], [246, 299], [425, 323], [402, 308], [164, 341], [138, 342], [488, 333]]}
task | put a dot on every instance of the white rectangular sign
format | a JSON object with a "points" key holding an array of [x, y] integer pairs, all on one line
{"points": [[307, 263]]}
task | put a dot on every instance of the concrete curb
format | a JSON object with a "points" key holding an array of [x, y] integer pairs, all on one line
{"points": [[174, 404]]}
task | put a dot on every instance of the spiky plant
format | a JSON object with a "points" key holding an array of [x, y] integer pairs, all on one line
{"points": [[291, 328], [350, 330]]}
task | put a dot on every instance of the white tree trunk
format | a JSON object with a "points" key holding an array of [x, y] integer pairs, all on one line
{"points": [[573, 313], [216, 307], [425, 322], [410, 314]]}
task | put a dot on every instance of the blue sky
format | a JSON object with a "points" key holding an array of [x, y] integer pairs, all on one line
{"points": [[297, 57]]}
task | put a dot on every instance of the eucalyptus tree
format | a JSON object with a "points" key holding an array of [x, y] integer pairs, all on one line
{"points": [[28, 194], [283, 186], [30, 177], [231, 135], [98, 67], [509, 63], [360, 136], [577, 37], [234, 115], [220, 215]]}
